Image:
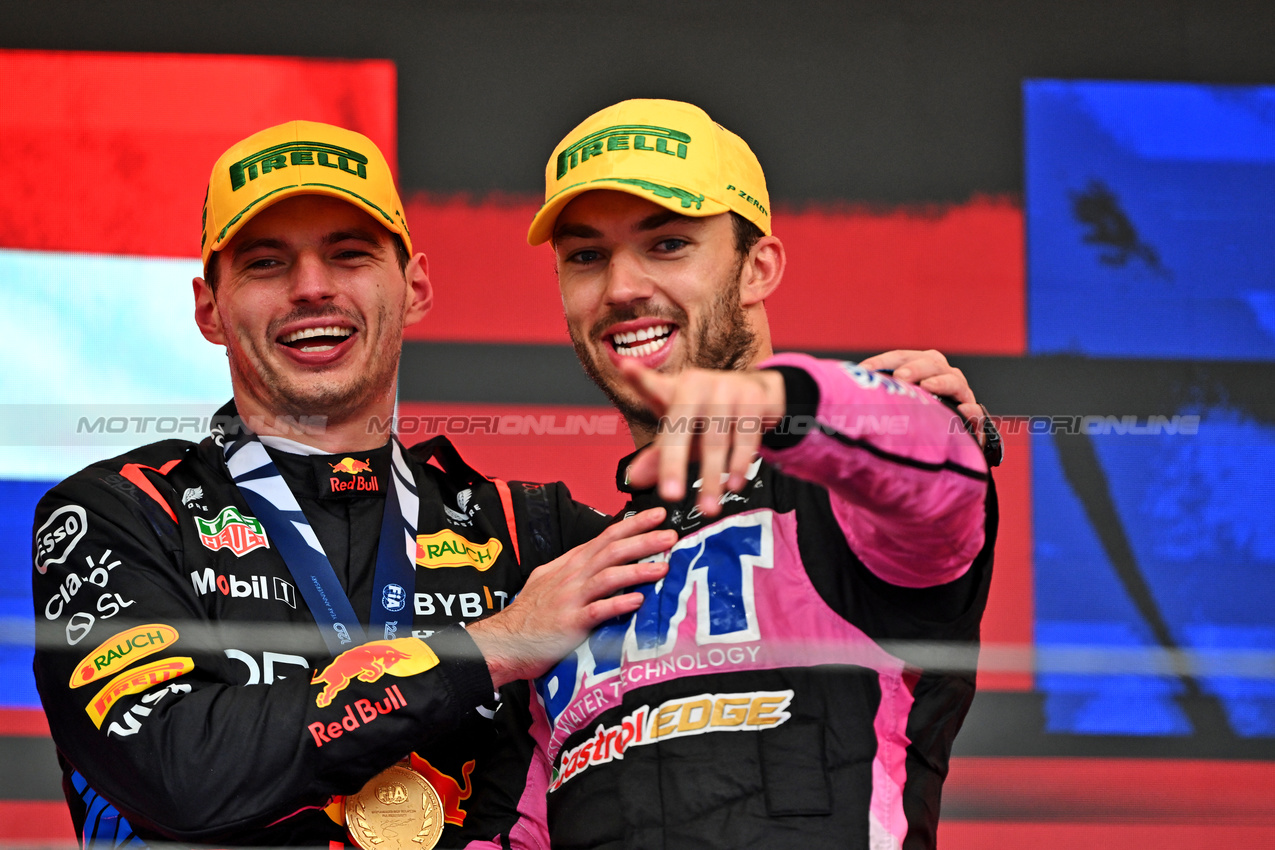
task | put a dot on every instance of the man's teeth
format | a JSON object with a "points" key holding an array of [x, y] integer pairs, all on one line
{"points": [[642, 342], [309, 333]]}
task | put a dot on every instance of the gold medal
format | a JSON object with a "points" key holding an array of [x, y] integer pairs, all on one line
{"points": [[396, 810]]}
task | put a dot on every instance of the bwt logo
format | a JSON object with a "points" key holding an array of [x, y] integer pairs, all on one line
{"points": [[299, 153], [717, 564], [255, 587]]}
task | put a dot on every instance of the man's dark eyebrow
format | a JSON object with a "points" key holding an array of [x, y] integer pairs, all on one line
{"points": [[580, 231], [254, 244], [333, 238], [355, 234], [655, 221]]}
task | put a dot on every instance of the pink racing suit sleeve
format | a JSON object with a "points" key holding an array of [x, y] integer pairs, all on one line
{"points": [[907, 481]]}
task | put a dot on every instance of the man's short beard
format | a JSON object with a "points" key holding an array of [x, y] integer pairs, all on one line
{"points": [[635, 414], [724, 341]]}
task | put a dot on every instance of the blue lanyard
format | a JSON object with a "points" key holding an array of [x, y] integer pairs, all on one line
{"points": [[273, 503]]}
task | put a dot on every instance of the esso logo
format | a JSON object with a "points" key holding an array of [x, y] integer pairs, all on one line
{"points": [[58, 536]]}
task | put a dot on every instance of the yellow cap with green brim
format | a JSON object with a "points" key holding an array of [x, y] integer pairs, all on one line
{"points": [[668, 152], [298, 158]]}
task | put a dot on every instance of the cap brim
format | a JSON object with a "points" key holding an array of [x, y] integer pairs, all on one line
{"points": [[687, 203], [264, 203]]}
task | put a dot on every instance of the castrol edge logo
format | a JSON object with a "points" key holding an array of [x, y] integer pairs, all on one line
{"points": [[677, 718], [120, 651]]}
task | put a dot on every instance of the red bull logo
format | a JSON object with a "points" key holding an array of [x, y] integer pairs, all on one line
{"points": [[359, 481], [357, 714], [350, 466], [449, 790], [371, 661]]}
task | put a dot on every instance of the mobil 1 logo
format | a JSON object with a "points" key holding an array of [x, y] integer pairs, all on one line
{"points": [[208, 581]]}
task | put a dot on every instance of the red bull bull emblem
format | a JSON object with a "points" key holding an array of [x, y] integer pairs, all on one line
{"points": [[369, 662], [350, 466], [363, 478], [449, 790]]}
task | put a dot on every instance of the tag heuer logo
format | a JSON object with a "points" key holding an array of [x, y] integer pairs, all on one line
{"points": [[234, 531]]}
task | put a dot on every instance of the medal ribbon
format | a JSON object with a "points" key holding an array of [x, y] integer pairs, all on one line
{"points": [[275, 506]]}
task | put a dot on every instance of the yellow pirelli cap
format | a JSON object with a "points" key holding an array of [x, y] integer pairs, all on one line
{"points": [[666, 151], [298, 158]]}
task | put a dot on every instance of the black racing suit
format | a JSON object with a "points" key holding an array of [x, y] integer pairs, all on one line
{"points": [[175, 655], [766, 693]]}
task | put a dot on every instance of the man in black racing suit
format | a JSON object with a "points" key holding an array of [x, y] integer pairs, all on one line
{"points": [[234, 636]]}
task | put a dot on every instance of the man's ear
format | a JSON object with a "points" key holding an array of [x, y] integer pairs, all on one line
{"points": [[763, 270], [420, 293], [206, 315]]}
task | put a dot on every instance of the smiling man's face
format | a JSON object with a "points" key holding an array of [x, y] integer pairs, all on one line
{"points": [[311, 304], [641, 282]]}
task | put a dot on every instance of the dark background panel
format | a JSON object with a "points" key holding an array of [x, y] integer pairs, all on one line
{"points": [[900, 102]]}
